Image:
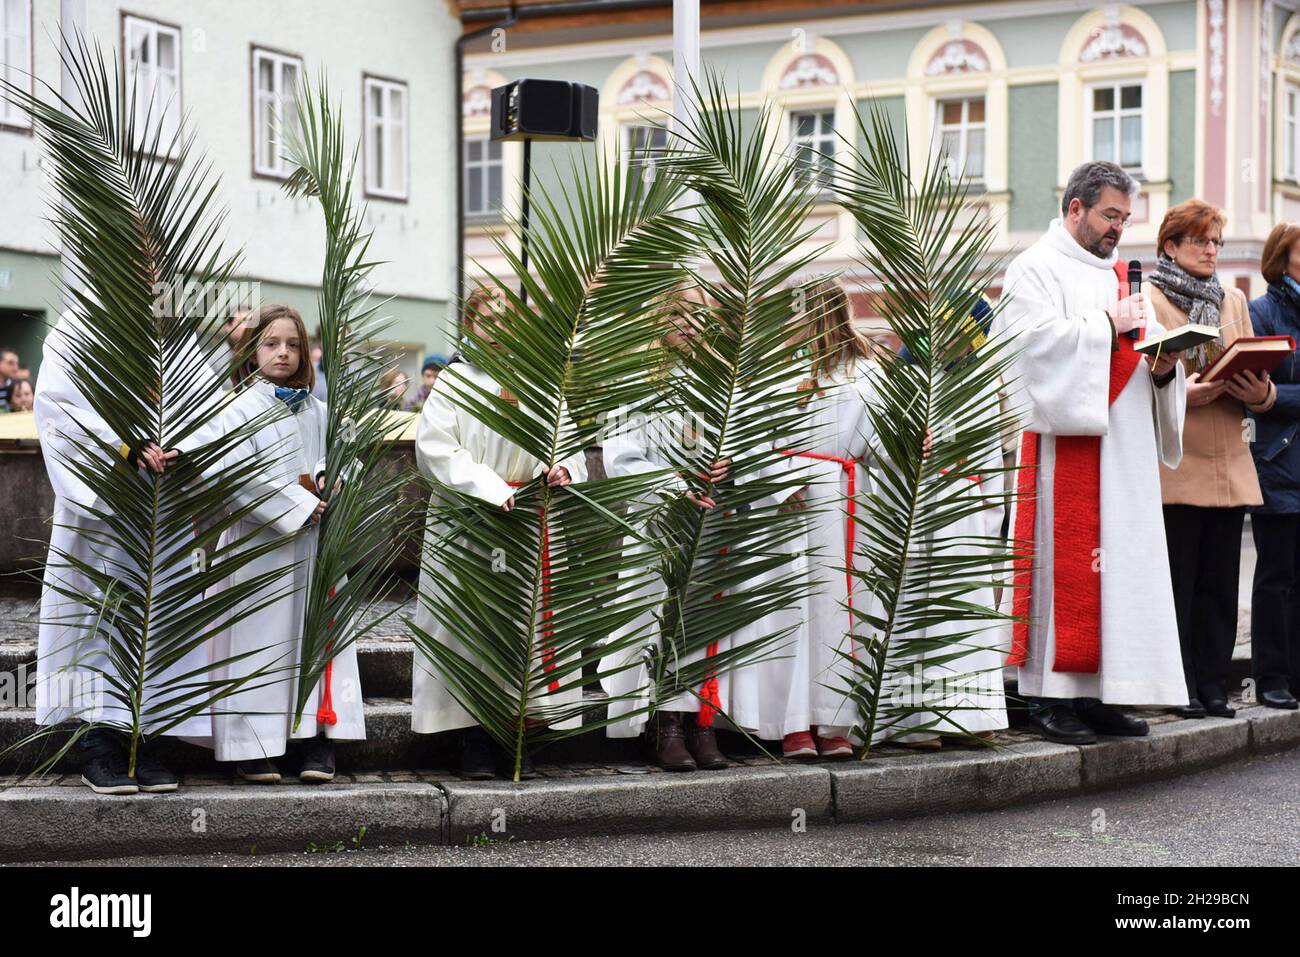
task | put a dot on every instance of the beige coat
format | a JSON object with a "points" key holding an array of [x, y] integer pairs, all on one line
{"points": [[1217, 470]]}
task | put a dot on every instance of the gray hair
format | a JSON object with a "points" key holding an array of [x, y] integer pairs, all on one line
{"points": [[1089, 179]]}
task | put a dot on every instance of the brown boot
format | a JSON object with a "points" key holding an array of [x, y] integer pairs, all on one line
{"points": [[668, 742], [703, 745]]}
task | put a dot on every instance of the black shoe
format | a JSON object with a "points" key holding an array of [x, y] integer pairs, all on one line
{"points": [[318, 762], [476, 762], [1060, 724], [1219, 708], [103, 770], [1193, 709], [1107, 719], [261, 771], [505, 764], [153, 776], [1279, 699]]}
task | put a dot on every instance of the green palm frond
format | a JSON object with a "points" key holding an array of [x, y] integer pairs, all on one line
{"points": [[737, 387], [570, 353], [138, 228], [932, 258], [356, 544]]}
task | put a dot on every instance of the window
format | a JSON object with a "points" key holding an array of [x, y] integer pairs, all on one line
{"points": [[1290, 129], [386, 141], [153, 83], [1115, 123], [275, 108], [813, 138], [643, 144], [959, 136], [15, 57], [483, 176]]}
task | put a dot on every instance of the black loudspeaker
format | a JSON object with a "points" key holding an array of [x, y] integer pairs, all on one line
{"points": [[544, 110]]}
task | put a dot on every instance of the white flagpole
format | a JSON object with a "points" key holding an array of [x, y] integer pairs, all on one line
{"points": [[72, 23], [686, 61]]}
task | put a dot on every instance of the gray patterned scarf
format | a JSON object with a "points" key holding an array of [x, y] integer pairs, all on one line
{"points": [[1201, 299]]}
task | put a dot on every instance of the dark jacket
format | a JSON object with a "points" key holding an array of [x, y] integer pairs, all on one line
{"points": [[1275, 446]]}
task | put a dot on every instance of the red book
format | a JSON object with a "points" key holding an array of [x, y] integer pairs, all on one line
{"points": [[1253, 353]]}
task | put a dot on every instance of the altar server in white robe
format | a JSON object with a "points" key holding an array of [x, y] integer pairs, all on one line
{"points": [[963, 697], [254, 725], [73, 667], [639, 442], [797, 692], [467, 456], [1100, 629]]}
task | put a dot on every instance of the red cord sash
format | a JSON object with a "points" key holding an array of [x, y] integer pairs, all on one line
{"points": [[548, 651], [1076, 532], [326, 713]]}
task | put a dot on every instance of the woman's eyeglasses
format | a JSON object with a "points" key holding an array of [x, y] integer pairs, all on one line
{"points": [[1204, 243]]}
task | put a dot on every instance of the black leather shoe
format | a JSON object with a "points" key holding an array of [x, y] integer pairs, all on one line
{"points": [[476, 762], [1193, 709], [1059, 723], [1279, 699], [1107, 719], [1219, 708]]}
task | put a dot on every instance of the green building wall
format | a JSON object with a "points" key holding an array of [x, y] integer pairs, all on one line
{"points": [[1031, 156]]}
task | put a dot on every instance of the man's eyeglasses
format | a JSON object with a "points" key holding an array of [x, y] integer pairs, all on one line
{"points": [[1120, 221], [1204, 243]]}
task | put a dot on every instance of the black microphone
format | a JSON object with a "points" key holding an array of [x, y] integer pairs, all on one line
{"points": [[1135, 287]]}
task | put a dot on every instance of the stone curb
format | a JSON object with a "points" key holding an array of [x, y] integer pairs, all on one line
{"points": [[71, 823], [68, 822]]}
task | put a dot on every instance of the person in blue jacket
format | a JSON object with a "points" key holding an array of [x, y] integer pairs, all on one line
{"points": [[1275, 598]]}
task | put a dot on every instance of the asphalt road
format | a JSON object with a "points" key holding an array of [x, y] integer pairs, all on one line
{"points": [[1243, 814]]}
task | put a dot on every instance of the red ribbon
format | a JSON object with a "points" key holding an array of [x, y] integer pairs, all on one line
{"points": [[326, 714], [548, 651], [1076, 532]]}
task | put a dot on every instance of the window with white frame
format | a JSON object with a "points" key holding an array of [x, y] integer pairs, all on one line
{"points": [[483, 176], [275, 109], [15, 57], [1115, 123], [153, 82], [644, 144], [1290, 131], [959, 134], [812, 136], [386, 138]]}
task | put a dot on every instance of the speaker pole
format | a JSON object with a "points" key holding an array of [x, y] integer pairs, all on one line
{"points": [[523, 218]]}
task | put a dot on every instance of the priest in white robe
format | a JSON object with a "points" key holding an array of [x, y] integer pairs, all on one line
{"points": [[1098, 626]]}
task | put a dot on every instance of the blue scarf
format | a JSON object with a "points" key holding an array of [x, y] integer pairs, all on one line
{"points": [[295, 399]]}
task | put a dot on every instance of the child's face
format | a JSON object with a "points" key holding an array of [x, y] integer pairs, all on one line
{"points": [[279, 351], [22, 396], [430, 376]]}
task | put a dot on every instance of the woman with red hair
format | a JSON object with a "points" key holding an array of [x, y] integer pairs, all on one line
{"points": [[1206, 497]]}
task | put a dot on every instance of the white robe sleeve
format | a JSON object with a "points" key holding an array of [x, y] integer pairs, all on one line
{"points": [[64, 419], [1169, 410], [626, 451], [439, 452], [576, 464], [1062, 364], [285, 508]]}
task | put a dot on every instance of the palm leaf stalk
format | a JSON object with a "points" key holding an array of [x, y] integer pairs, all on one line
{"points": [[356, 544], [140, 354], [532, 596], [729, 567], [931, 256]]}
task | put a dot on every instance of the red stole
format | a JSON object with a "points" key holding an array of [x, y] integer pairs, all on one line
{"points": [[1076, 531]]}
